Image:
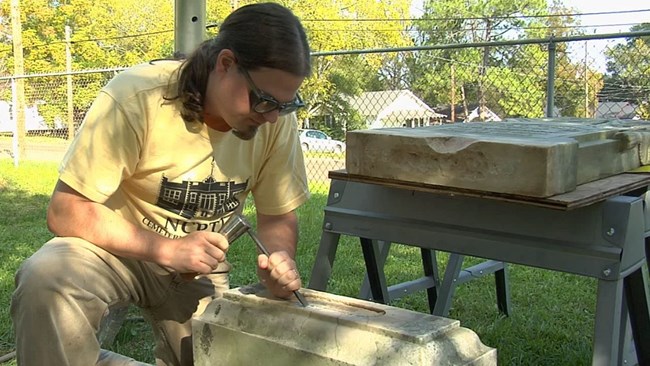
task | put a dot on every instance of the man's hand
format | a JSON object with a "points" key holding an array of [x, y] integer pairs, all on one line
{"points": [[279, 274], [198, 252]]}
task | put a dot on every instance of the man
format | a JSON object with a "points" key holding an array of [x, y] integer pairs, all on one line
{"points": [[166, 153]]}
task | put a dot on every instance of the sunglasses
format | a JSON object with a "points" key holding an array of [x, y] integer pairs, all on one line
{"points": [[264, 103]]}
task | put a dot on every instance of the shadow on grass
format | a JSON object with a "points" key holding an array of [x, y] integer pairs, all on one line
{"points": [[22, 231]]}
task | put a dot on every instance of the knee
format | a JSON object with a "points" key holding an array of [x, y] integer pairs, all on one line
{"points": [[53, 267], [36, 275]]}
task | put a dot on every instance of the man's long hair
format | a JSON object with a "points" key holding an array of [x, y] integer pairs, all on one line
{"points": [[260, 35]]}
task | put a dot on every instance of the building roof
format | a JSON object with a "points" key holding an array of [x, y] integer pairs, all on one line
{"points": [[487, 115], [473, 113], [621, 110], [392, 104]]}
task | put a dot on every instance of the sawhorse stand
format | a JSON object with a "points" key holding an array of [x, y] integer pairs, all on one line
{"points": [[439, 292], [598, 231]]}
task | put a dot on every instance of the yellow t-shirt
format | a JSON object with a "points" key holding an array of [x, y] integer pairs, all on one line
{"points": [[135, 154]]}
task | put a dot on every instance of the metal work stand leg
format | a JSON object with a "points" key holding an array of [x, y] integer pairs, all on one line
{"points": [[456, 275], [448, 287], [377, 257], [430, 266], [637, 304], [609, 309], [375, 270], [500, 270], [322, 270], [502, 283], [383, 249], [375, 287]]}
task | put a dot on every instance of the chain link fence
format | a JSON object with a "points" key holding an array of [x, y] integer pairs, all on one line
{"points": [[591, 77]]}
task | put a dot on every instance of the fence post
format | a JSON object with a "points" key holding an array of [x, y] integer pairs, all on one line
{"points": [[189, 25], [14, 117], [69, 94], [550, 80]]}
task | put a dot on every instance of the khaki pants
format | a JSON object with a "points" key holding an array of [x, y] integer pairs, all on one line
{"points": [[65, 288]]}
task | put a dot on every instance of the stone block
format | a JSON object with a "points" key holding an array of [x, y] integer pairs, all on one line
{"points": [[249, 327], [528, 157]]}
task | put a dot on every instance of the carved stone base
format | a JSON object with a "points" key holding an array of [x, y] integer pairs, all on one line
{"points": [[247, 327]]}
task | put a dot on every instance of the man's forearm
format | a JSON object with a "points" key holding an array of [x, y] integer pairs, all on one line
{"points": [[279, 233], [70, 214]]}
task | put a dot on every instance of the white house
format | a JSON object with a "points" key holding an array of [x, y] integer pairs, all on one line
{"points": [[33, 120], [472, 113], [394, 108], [618, 110]]}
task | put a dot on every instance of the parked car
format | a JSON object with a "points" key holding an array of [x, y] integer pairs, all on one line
{"points": [[314, 140]]}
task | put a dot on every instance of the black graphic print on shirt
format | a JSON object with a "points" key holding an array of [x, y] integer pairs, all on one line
{"points": [[199, 199]]}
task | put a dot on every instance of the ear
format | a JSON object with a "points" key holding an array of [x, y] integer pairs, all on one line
{"points": [[225, 60]]}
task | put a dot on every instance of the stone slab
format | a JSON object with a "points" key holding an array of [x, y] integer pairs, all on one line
{"points": [[529, 157], [249, 327]]}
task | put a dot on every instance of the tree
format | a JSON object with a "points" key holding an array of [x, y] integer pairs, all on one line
{"points": [[628, 72], [346, 25], [511, 80], [576, 83], [123, 32], [455, 21], [104, 34]]}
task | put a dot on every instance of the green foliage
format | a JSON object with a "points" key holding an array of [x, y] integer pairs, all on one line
{"points": [[337, 77], [629, 74], [103, 34], [511, 79], [639, 28], [468, 21], [511, 89]]}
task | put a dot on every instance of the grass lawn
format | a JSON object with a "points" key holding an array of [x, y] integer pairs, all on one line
{"points": [[551, 324], [321, 154]]}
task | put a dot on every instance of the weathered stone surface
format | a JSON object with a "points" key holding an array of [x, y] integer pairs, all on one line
{"points": [[531, 157], [247, 327]]}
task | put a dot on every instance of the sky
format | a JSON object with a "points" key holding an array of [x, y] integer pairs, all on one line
{"points": [[605, 23]]}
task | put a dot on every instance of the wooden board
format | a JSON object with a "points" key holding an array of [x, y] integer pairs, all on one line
{"points": [[584, 194]]}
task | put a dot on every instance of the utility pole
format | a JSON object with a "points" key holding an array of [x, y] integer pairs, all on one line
{"points": [[482, 107], [18, 108], [453, 94], [586, 84], [550, 80], [462, 90], [68, 67]]}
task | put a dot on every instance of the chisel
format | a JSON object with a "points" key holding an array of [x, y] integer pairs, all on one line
{"points": [[263, 249]]}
